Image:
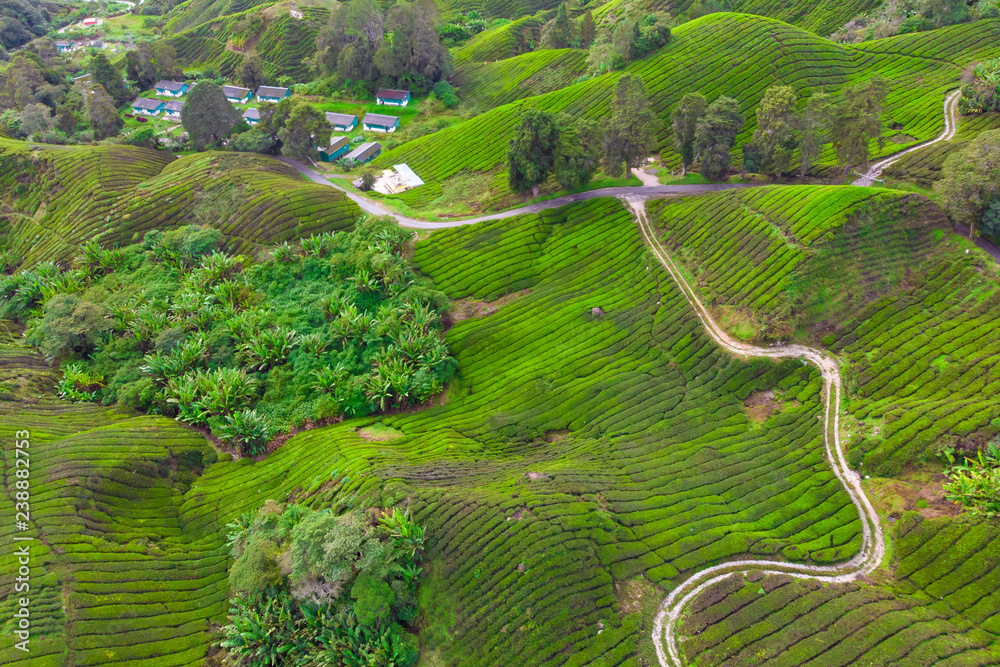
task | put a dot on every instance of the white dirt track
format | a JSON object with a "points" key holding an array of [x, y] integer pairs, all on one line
{"points": [[873, 539]]}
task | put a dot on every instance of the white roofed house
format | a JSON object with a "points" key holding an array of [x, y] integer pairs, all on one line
{"points": [[237, 95], [172, 109], [147, 107], [251, 116], [365, 152], [171, 88], [341, 122]]}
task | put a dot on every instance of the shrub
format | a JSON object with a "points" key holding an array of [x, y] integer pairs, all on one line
{"points": [[246, 429]]}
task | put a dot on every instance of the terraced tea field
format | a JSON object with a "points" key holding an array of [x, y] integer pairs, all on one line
{"points": [[933, 385], [488, 85], [530, 485], [923, 166], [119, 575], [713, 55], [56, 198]]}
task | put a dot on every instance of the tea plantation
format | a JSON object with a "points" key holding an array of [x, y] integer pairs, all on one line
{"points": [[739, 56], [540, 502], [56, 198]]}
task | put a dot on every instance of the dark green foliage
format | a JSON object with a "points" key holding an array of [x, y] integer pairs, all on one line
{"points": [[858, 121], [578, 153], [971, 180], [104, 118], [446, 94], [301, 127], [715, 135], [140, 66], [630, 136], [344, 598], [340, 321], [531, 153], [686, 115], [71, 326], [107, 76], [207, 115], [251, 73]]}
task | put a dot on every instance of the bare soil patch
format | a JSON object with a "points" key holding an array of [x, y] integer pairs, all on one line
{"points": [[464, 309], [760, 405], [914, 490], [379, 433]]}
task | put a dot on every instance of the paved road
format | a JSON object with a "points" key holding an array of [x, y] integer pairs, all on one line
{"points": [[636, 192]]}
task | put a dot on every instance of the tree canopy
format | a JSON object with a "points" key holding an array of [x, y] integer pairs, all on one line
{"points": [[859, 121], [630, 136], [716, 134], [970, 186], [207, 115], [531, 153], [687, 113]]}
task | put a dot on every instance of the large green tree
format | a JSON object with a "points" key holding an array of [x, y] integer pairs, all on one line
{"points": [[107, 76], [578, 153], [971, 181], [630, 136], [858, 121], [814, 129], [587, 29], [774, 128], [302, 128], [36, 119], [531, 153], [140, 66], [685, 121], [251, 73], [102, 114], [207, 115], [716, 134]]}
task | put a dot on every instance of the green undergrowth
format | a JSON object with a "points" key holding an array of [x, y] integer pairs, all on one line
{"points": [[735, 55], [171, 326], [56, 198]]}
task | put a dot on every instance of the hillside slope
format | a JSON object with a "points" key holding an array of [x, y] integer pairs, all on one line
{"points": [[55, 198], [874, 276], [723, 54], [488, 85]]}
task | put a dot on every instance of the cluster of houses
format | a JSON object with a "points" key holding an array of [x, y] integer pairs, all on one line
{"points": [[340, 145]]}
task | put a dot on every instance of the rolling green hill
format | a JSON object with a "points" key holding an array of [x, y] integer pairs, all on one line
{"points": [[874, 276], [726, 54], [923, 166], [55, 198], [195, 12], [492, 84], [543, 505]]}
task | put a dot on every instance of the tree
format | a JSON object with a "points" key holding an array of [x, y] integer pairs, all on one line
{"points": [[140, 66], [971, 181], [716, 134], [578, 152], [587, 29], [36, 119], [411, 50], [101, 112], [71, 326], [531, 153], [630, 136], [252, 141], [859, 121], [367, 180], [207, 115], [251, 73], [302, 129], [20, 80], [814, 129], [108, 77], [66, 121], [557, 33], [686, 115], [165, 61], [774, 127]]}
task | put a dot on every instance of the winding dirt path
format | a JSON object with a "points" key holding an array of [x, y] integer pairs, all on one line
{"points": [[950, 127], [873, 539]]}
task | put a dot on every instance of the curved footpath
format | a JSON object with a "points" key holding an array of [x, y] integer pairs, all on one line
{"points": [[873, 539], [950, 127]]}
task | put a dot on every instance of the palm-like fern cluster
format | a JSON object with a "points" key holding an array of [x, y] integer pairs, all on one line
{"points": [[337, 324]]}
